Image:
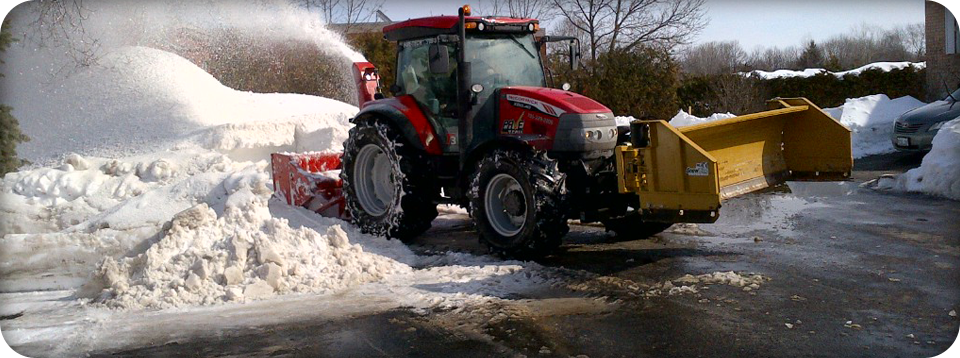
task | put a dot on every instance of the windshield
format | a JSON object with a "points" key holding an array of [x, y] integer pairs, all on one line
{"points": [[500, 60]]}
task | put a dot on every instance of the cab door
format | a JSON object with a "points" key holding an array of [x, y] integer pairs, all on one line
{"points": [[436, 93]]}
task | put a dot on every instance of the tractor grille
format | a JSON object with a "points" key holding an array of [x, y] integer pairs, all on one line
{"points": [[906, 128]]}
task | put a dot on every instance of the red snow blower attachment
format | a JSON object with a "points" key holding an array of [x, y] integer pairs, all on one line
{"points": [[311, 180]]}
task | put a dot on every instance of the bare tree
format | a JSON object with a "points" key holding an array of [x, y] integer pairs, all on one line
{"points": [[542, 10], [714, 58], [773, 58], [626, 24], [915, 39], [344, 13], [60, 24]]}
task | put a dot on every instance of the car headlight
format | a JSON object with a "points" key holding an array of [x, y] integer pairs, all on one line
{"points": [[936, 126]]}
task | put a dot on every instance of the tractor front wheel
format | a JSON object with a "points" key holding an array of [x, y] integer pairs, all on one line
{"points": [[515, 200]]}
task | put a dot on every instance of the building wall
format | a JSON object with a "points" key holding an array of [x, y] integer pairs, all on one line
{"points": [[941, 65]]}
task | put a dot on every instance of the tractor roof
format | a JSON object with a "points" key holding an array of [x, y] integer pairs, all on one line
{"points": [[437, 25]]}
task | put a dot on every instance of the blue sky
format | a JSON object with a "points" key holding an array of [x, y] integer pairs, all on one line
{"points": [[754, 23]]}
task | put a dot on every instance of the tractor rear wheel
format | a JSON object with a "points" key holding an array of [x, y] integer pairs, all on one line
{"points": [[515, 200], [632, 227], [387, 185]]}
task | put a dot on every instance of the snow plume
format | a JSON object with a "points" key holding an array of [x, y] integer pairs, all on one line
{"points": [[108, 104], [939, 173]]}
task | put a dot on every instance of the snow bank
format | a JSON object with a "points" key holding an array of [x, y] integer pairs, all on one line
{"points": [[197, 141], [141, 100], [939, 173], [682, 119], [871, 120], [883, 66], [244, 253]]}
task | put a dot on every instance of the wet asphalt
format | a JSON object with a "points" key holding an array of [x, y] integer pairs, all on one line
{"points": [[851, 272]]}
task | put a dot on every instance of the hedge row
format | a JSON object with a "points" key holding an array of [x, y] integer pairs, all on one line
{"points": [[705, 95]]}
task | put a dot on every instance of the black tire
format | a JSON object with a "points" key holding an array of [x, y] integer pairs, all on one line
{"points": [[632, 227], [413, 206], [544, 223]]}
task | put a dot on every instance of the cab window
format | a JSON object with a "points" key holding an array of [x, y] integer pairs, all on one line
{"points": [[436, 92]]}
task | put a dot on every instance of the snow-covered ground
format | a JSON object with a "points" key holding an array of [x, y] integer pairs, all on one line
{"points": [[939, 173], [883, 66]]}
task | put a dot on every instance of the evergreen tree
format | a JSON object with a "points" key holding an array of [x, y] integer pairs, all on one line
{"points": [[641, 83], [811, 57], [10, 134]]}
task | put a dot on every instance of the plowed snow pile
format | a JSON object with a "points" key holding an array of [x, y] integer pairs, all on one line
{"points": [[185, 225], [142, 100], [939, 173], [683, 119], [245, 253], [871, 120]]}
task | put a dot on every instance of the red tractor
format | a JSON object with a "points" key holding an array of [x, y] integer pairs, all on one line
{"points": [[473, 123]]}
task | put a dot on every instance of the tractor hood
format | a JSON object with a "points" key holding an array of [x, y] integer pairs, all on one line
{"points": [[570, 122], [550, 101]]}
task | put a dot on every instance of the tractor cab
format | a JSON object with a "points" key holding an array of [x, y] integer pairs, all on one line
{"points": [[452, 71]]}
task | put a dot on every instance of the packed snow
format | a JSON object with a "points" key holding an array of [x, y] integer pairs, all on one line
{"points": [[809, 72], [682, 119], [871, 119], [145, 100], [939, 173]]}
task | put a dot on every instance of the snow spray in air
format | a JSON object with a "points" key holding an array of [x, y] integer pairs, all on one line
{"points": [[255, 46]]}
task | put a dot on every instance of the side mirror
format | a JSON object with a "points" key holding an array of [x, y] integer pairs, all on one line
{"points": [[439, 59]]}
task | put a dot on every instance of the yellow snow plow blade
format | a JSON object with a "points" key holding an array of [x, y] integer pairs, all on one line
{"points": [[682, 174]]}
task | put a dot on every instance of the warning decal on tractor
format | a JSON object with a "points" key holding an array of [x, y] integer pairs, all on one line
{"points": [[532, 104]]}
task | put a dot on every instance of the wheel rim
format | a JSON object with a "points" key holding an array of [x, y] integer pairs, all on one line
{"points": [[374, 179], [505, 204]]}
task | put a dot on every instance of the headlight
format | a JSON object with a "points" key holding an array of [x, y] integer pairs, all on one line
{"points": [[936, 126]]}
